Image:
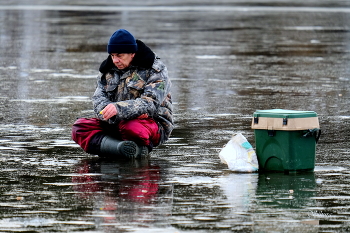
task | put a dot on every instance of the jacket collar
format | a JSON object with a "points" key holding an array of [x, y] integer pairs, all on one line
{"points": [[144, 58]]}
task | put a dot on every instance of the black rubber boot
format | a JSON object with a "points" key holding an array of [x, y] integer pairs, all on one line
{"points": [[142, 152], [113, 148]]}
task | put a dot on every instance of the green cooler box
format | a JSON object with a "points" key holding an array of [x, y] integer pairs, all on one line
{"points": [[285, 140]]}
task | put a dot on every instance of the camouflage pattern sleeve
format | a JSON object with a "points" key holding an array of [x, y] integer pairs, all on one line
{"points": [[151, 94], [100, 98]]}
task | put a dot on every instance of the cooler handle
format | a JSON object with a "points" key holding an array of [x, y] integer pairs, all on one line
{"points": [[318, 135], [313, 132]]}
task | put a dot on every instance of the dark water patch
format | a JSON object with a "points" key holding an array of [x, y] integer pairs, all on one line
{"points": [[87, 48]]}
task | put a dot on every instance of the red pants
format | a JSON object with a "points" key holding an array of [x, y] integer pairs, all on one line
{"points": [[145, 132]]}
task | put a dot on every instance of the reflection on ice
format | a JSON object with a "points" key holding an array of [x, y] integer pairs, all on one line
{"points": [[8, 148], [239, 190], [68, 75], [195, 180], [16, 224], [124, 191], [58, 100], [215, 57], [328, 168]]}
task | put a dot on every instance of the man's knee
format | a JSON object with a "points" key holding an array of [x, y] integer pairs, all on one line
{"points": [[86, 122], [84, 129], [134, 130]]}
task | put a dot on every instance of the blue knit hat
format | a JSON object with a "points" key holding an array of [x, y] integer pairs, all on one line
{"points": [[122, 42]]}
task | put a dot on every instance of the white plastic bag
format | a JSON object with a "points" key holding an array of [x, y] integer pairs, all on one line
{"points": [[239, 155]]}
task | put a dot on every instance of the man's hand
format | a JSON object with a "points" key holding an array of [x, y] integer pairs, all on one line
{"points": [[143, 116], [109, 111]]}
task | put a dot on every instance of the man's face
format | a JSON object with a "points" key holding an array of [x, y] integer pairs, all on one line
{"points": [[122, 60]]}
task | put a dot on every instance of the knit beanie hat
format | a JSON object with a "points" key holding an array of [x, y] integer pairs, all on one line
{"points": [[122, 42]]}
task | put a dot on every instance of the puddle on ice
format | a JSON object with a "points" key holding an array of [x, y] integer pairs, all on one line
{"points": [[320, 168]]}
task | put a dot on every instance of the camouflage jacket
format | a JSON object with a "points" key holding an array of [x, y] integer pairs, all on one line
{"points": [[142, 88]]}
